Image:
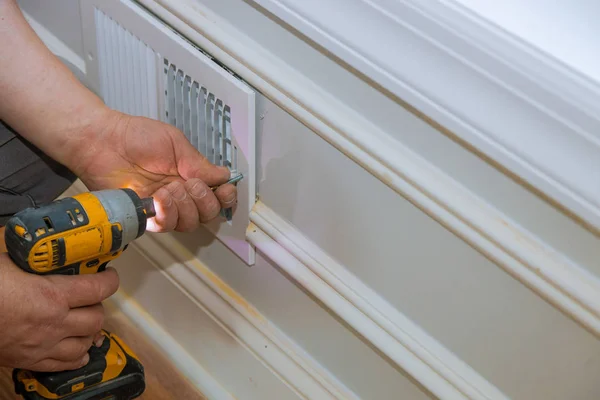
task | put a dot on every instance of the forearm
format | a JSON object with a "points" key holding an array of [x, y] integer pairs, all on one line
{"points": [[39, 96]]}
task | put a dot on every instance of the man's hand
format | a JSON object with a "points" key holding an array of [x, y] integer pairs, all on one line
{"points": [[50, 322], [154, 159], [43, 101]]}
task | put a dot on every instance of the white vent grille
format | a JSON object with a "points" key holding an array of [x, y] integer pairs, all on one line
{"points": [[127, 69], [141, 67], [200, 115]]}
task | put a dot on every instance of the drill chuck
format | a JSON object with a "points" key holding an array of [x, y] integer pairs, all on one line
{"points": [[148, 205]]}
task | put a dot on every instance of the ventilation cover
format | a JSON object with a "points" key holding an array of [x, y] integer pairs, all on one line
{"points": [[141, 67], [200, 115]]}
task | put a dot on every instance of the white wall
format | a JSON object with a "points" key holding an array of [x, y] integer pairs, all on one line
{"points": [[506, 332], [60, 17], [565, 30]]}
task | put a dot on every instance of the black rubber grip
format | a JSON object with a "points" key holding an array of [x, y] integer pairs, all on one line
{"points": [[139, 210]]}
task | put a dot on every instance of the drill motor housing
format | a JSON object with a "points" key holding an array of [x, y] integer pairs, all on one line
{"points": [[79, 234]]}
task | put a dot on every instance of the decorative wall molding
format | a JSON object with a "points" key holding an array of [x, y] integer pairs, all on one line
{"points": [[522, 108], [411, 348], [564, 284], [284, 358]]}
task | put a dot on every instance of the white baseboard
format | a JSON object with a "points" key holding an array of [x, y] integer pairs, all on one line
{"points": [[286, 360], [185, 364]]}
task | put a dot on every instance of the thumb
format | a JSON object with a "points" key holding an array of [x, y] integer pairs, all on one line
{"points": [[192, 164], [89, 289]]}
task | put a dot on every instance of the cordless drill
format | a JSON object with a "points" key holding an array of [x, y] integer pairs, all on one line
{"points": [[81, 235]]}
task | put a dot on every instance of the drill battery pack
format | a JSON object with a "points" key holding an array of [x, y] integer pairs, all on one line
{"points": [[113, 373]]}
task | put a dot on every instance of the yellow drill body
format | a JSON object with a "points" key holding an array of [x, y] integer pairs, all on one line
{"points": [[79, 234]]}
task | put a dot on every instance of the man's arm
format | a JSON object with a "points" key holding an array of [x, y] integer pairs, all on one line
{"points": [[39, 96], [46, 104]]}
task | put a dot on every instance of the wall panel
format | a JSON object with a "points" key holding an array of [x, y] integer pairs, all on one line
{"points": [[402, 250]]}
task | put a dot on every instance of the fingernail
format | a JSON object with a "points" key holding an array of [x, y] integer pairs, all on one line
{"points": [[199, 190], [99, 341]]}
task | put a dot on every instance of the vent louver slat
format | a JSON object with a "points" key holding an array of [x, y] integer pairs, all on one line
{"points": [[200, 115], [123, 100], [128, 84], [127, 69], [187, 111], [141, 67], [210, 111], [178, 100], [196, 104]]}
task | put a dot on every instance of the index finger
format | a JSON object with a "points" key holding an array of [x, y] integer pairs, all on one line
{"points": [[89, 289]]}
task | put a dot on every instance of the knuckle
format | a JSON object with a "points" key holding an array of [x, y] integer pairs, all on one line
{"points": [[211, 210], [47, 365], [163, 197], [52, 294], [32, 342], [229, 199], [116, 281], [177, 191], [228, 195], [162, 224], [97, 286], [98, 322], [197, 189], [56, 314], [67, 366], [37, 356], [188, 225], [85, 285], [83, 348], [75, 351], [166, 218]]}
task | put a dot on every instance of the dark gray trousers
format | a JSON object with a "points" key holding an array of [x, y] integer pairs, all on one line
{"points": [[28, 177]]}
